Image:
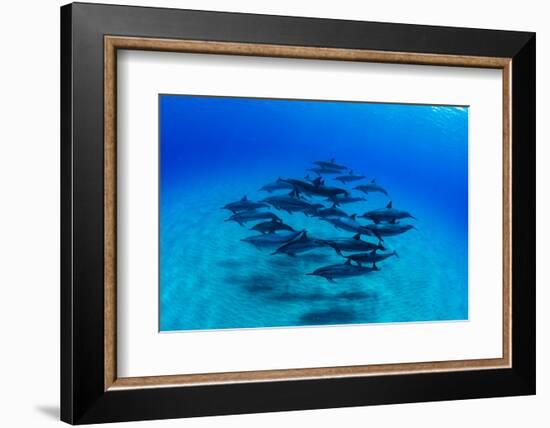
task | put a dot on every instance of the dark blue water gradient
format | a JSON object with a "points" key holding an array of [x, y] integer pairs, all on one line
{"points": [[214, 150]]}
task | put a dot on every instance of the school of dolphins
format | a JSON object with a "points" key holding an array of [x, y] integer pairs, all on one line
{"points": [[316, 199]]}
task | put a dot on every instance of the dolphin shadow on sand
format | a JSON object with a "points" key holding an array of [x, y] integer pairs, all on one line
{"points": [[329, 316], [289, 297], [258, 288]]}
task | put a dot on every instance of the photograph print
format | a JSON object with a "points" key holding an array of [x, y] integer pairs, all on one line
{"points": [[293, 213]]}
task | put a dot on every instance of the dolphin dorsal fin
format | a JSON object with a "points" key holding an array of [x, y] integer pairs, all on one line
{"points": [[244, 198], [373, 181], [333, 205], [332, 160], [348, 262], [390, 205], [317, 181], [373, 252], [353, 216], [357, 236], [393, 221]]}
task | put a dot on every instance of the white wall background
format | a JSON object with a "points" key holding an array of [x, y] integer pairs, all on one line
{"points": [[29, 214]]}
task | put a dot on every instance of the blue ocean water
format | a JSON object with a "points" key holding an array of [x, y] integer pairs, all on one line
{"points": [[215, 150]]}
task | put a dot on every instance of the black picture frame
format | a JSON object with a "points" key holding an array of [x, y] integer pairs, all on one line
{"points": [[83, 397]]}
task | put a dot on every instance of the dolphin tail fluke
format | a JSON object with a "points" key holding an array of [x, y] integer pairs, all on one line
{"points": [[374, 267], [381, 246], [395, 254]]}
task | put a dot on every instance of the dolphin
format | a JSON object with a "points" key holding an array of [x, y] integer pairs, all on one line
{"points": [[341, 200], [301, 244], [388, 214], [271, 227], [291, 204], [330, 164], [326, 171], [273, 187], [371, 188], [332, 211], [271, 240], [316, 187], [315, 207], [342, 270], [348, 224], [371, 257], [244, 205], [352, 244], [349, 178], [246, 216], [388, 229]]}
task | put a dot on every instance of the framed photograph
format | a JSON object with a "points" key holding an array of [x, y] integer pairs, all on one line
{"points": [[266, 213]]}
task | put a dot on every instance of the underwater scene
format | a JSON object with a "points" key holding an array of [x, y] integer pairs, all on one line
{"points": [[285, 213]]}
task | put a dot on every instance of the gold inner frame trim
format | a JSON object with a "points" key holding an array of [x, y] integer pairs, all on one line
{"points": [[113, 43]]}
